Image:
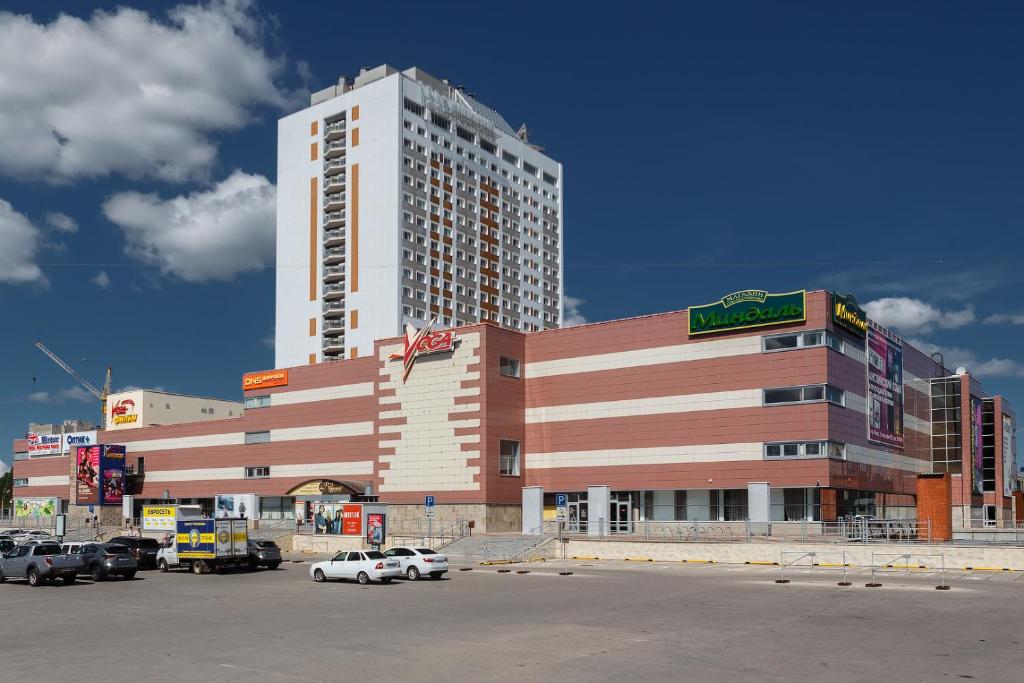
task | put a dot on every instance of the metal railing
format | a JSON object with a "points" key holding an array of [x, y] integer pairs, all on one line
{"points": [[433, 536], [846, 531]]}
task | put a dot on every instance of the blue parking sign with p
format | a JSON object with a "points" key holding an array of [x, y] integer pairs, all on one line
{"points": [[429, 502], [561, 500]]}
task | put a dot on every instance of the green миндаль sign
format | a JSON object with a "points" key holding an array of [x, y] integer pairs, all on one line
{"points": [[747, 308]]}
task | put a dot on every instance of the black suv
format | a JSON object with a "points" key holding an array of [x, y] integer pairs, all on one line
{"points": [[143, 549]]}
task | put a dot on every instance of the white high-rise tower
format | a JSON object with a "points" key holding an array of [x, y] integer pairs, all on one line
{"points": [[402, 198]]}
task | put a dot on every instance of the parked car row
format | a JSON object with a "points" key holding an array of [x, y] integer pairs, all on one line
{"points": [[21, 535], [365, 566], [38, 560]]}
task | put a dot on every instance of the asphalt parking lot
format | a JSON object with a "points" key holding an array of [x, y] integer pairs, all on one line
{"points": [[608, 621]]}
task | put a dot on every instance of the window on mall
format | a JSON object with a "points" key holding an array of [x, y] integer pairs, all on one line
{"points": [[805, 449], [262, 472], [812, 393], [800, 340], [946, 425], [509, 367], [508, 458], [22, 481], [257, 401], [257, 437], [277, 507]]}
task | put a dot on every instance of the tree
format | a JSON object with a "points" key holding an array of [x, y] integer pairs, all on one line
{"points": [[7, 490]]}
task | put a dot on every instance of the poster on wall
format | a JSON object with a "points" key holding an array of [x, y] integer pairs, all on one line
{"points": [[241, 505], [112, 475], [352, 519], [885, 388], [1009, 456], [337, 518], [158, 518], [977, 449], [87, 475], [36, 507], [375, 530]]}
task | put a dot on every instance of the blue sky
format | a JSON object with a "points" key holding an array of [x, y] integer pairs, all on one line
{"points": [[707, 148]]}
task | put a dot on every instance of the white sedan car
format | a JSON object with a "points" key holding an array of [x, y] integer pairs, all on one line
{"points": [[362, 565], [417, 562], [32, 536]]}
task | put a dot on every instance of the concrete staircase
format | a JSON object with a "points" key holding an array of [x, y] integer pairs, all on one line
{"points": [[496, 548]]}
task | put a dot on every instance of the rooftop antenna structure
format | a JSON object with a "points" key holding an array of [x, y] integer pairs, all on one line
{"points": [[100, 394]]}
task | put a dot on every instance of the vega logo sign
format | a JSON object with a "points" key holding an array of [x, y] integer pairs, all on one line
{"points": [[124, 413], [847, 313], [422, 342], [745, 309]]}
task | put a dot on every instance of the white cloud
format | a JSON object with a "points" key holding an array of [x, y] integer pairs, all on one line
{"points": [[1005, 319], [125, 92], [75, 393], [911, 316], [954, 357], [62, 221], [211, 235], [572, 314], [102, 280], [4, 467], [19, 242]]}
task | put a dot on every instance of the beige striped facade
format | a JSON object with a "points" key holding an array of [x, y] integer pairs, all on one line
{"points": [[634, 404]]}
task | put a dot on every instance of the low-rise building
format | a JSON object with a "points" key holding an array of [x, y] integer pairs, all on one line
{"points": [[759, 406]]}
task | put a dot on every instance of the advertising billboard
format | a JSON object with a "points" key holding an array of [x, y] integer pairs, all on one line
{"points": [[158, 518], [242, 505], [352, 519], [977, 447], [87, 475], [43, 444], [885, 388], [196, 539], [337, 518], [376, 531], [847, 313], [125, 410], [264, 380], [36, 507], [746, 309], [73, 440], [1009, 455], [112, 474]]}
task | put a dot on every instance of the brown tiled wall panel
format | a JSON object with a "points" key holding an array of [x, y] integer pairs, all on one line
{"points": [[672, 379], [665, 329], [724, 475], [738, 425]]}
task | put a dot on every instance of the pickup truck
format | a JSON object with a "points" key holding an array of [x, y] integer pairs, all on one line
{"points": [[38, 563]]}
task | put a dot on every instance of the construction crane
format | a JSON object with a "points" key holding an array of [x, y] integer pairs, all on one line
{"points": [[101, 395]]}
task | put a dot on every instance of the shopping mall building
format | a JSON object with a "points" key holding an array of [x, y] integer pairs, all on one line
{"points": [[763, 406]]}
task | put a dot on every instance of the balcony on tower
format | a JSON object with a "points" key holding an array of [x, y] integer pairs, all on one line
{"points": [[334, 167], [334, 150], [334, 131], [334, 255]]}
